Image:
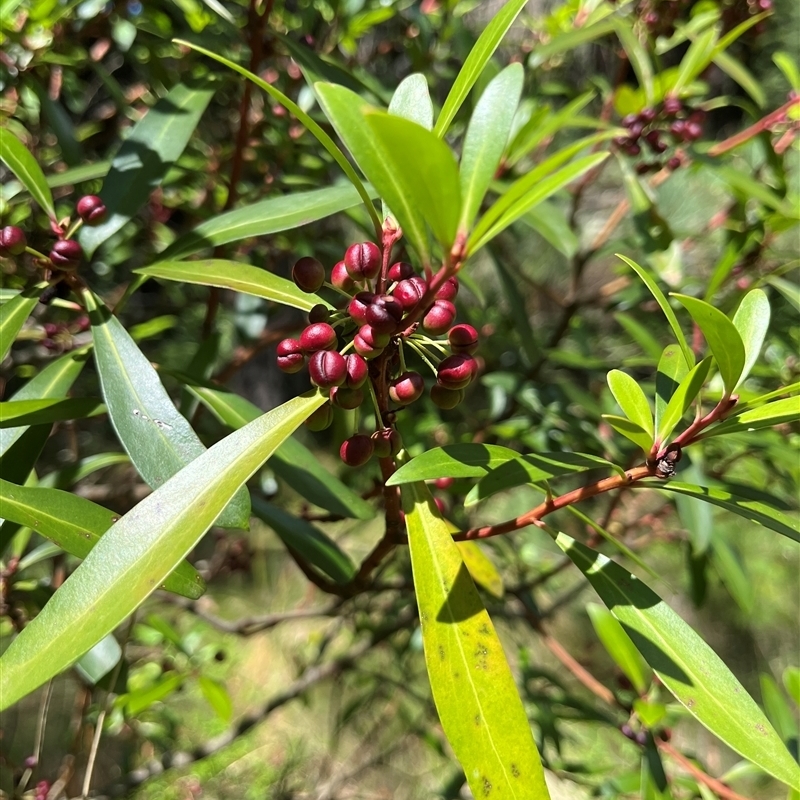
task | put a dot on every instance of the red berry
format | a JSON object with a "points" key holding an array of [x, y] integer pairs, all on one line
{"points": [[320, 419], [308, 274], [439, 317], [363, 261], [327, 368], [91, 209], [357, 370], [290, 356], [463, 338], [446, 398], [319, 336], [456, 371], [319, 313], [365, 349], [12, 241], [372, 337], [407, 388], [356, 450], [357, 307], [387, 442], [344, 397], [384, 313], [66, 254], [341, 279], [399, 271], [448, 290], [409, 292]]}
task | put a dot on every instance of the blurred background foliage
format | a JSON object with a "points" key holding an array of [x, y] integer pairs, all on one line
{"points": [[556, 311]]}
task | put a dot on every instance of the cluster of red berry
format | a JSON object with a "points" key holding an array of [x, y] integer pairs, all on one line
{"points": [[387, 307], [654, 127]]}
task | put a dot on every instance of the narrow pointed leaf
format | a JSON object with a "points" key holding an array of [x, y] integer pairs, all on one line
{"points": [[723, 339], [752, 320], [21, 162], [237, 277], [791, 681], [15, 413], [759, 511], [412, 100], [135, 556], [696, 58], [154, 145], [481, 568], [619, 646], [679, 403], [76, 525], [317, 548], [686, 665], [671, 371], [157, 438], [217, 697], [649, 281], [766, 416], [631, 399], [475, 62], [486, 138], [453, 461], [281, 213], [13, 315], [473, 688], [630, 430]]}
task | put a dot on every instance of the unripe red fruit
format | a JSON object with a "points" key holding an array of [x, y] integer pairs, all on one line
{"points": [[356, 450], [463, 338], [357, 307], [387, 442], [372, 337], [308, 274], [399, 271], [290, 356], [319, 336], [327, 368], [439, 317], [448, 290], [91, 209], [456, 371], [407, 388], [365, 349], [319, 313], [384, 313], [409, 292], [320, 419], [345, 397], [446, 398], [66, 254], [12, 241], [357, 370], [341, 279], [363, 261]]}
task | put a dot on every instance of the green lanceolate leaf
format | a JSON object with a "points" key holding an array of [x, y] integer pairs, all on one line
{"points": [[412, 100], [696, 59], [683, 397], [752, 320], [686, 665], [272, 215], [16, 413], [486, 139], [13, 315], [766, 416], [723, 339], [21, 162], [154, 145], [139, 551], [76, 525], [473, 688], [671, 371], [662, 301], [237, 277], [631, 399], [346, 112], [317, 548], [619, 646], [421, 168], [481, 568], [475, 62], [630, 430], [157, 438], [453, 461]]}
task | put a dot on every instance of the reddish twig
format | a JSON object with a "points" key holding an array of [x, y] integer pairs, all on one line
{"points": [[715, 785], [779, 115]]}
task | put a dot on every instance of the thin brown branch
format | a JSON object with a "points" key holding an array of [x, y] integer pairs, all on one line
{"points": [[715, 785], [764, 124]]}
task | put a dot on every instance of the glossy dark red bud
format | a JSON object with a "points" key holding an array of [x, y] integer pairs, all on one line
{"points": [[66, 254], [319, 336], [308, 274], [448, 290], [463, 338], [456, 371], [290, 356], [91, 209], [12, 241], [319, 313], [372, 337], [399, 271], [407, 388], [384, 314], [341, 279], [409, 292], [446, 398], [347, 398], [357, 307], [327, 368], [365, 349], [387, 442], [357, 370], [439, 317], [363, 261], [356, 450], [320, 419]]}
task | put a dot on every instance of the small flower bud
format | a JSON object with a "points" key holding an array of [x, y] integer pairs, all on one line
{"points": [[387, 442], [448, 290], [456, 371], [345, 397], [363, 261], [384, 314], [463, 338], [365, 349], [308, 274], [12, 241], [357, 370], [341, 279], [674, 163], [407, 388], [409, 292], [443, 483], [446, 398], [357, 307], [319, 313], [400, 271], [356, 450], [320, 419], [66, 254], [327, 368], [290, 356], [672, 106], [319, 336], [91, 209], [372, 337], [439, 317]]}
